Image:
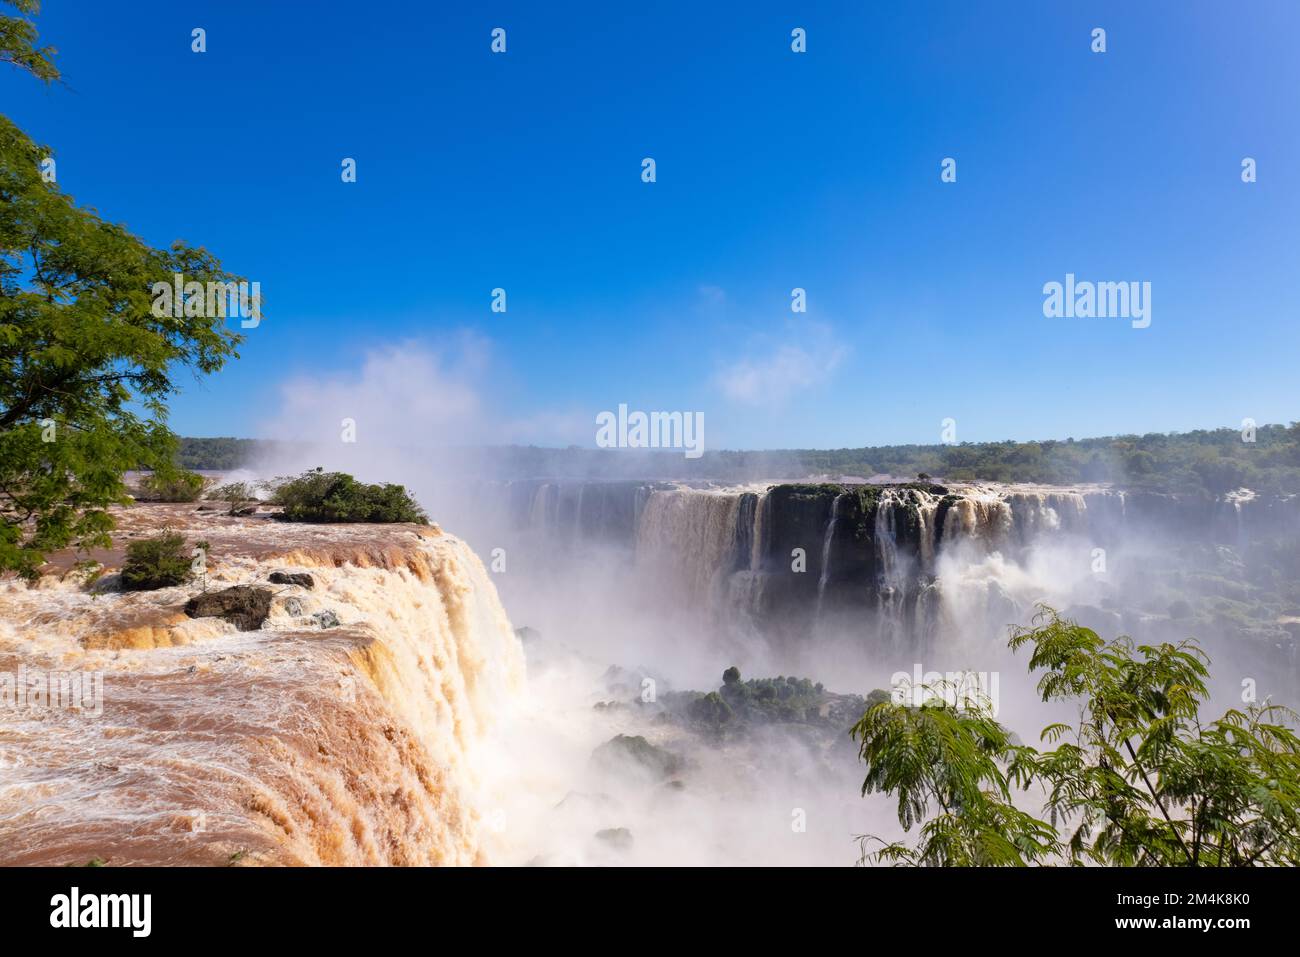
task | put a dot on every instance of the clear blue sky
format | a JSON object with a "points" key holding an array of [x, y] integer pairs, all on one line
{"points": [[775, 170]]}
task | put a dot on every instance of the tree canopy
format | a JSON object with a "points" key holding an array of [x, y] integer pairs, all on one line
{"points": [[86, 368], [1139, 780]]}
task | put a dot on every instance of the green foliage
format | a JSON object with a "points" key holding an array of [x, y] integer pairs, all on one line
{"points": [[173, 486], [1202, 462], [235, 494], [739, 708], [1140, 780], [18, 43], [222, 454], [158, 562], [85, 367], [320, 496]]}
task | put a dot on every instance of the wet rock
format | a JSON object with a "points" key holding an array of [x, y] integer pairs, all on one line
{"points": [[326, 619], [243, 606], [626, 749], [293, 607], [619, 838], [293, 578]]}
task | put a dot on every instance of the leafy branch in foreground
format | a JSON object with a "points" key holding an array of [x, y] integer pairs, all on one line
{"points": [[1139, 781]]}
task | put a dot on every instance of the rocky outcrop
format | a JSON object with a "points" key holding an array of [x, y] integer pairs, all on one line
{"points": [[301, 579], [244, 606]]}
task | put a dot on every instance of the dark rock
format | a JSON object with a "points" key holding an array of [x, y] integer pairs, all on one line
{"points": [[619, 838], [326, 619], [624, 749], [293, 578], [243, 606]]}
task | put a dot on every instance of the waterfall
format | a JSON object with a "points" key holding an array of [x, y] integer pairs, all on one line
{"points": [[360, 744], [827, 542], [927, 507], [758, 542], [686, 540], [889, 588]]}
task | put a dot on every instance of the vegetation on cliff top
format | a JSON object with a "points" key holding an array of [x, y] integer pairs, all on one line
{"points": [[1203, 462], [320, 496]]}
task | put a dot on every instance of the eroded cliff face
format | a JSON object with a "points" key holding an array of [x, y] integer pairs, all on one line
{"points": [[302, 742]]}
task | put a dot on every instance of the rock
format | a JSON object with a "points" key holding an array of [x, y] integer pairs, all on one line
{"points": [[243, 606], [293, 578], [619, 838], [326, 619], [624, 749], [293, 607]]}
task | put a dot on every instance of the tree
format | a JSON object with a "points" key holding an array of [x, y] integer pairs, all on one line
{"points": [[18, 43], [85, 365], [320, 496], [236, 495], [158, 562], [1139, 781]]}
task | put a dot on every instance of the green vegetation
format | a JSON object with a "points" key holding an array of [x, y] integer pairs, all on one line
{"points": [[738, 707], [624, 749], [1204, 462], [158, 562], [236, 495], [320, 496], [1140, 780], [175, 486], [85, 366], [219, 455]]}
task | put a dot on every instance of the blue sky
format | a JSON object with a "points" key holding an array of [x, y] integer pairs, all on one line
{"points": [[775, 170]]}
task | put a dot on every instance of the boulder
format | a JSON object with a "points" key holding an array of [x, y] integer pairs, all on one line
{"points": [[620, 838], [326, 619], [243, 606], [293, 578], [623, 750]]}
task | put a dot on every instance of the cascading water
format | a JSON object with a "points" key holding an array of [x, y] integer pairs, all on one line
{"points": [[889, 578], [292, 744], [827, 544]]}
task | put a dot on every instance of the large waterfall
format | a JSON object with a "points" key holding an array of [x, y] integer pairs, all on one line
{"points": [[897, 565], [359, 743]]}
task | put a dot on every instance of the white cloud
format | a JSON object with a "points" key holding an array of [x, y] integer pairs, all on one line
{"points": [[403, 394], [773, 376]]}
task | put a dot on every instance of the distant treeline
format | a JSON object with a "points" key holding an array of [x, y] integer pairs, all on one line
{"points": [[1200, 462], [218, 454]]}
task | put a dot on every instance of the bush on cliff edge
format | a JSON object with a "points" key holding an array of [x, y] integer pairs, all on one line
{"points": [[320, 496]]}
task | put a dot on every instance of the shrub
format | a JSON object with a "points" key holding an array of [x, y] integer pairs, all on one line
{"points": [[178, 486], [236, 495], [320, 496], [158, 562]]}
